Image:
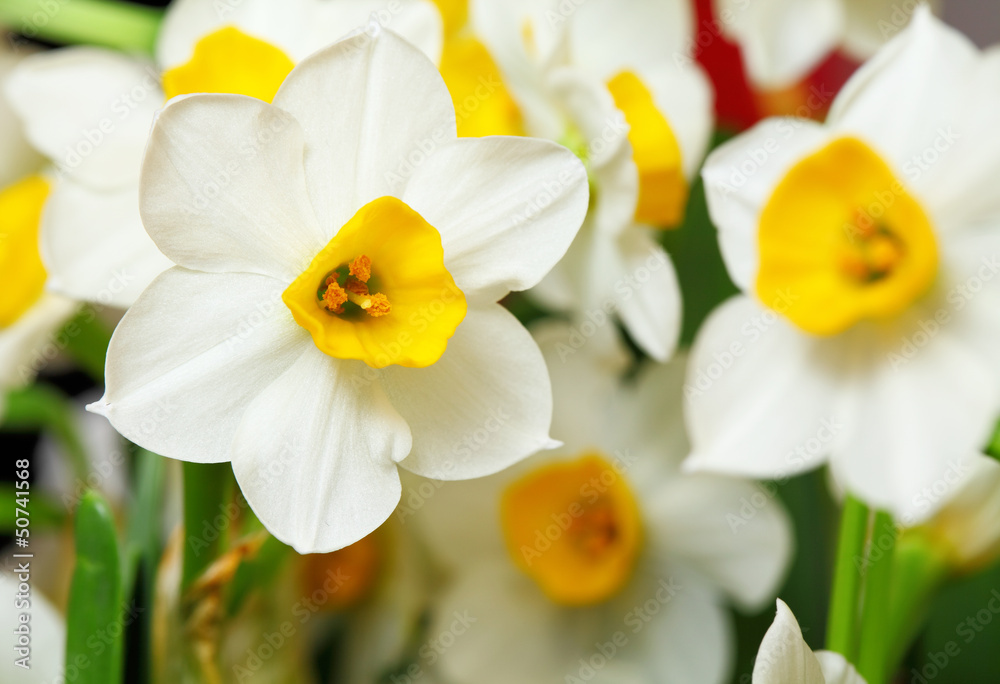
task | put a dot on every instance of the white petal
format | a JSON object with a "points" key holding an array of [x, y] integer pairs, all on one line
{"points": [[685, 96], [970, 520], [716, 524], [836, 669], [418, 21], [913, 419], [739, 179], [371, 106], [784, 657], [758, 395], [507, 209], [689, 638], [906, 99], [650, 296], [24, 347], [315, 454], [870, 23], [486, 403], [48, 635], [109, 261], [608, 36], [783, 40], [17, 156], [88, 110], [653, 414], [284, 25], [189, 357], [223, 188]]}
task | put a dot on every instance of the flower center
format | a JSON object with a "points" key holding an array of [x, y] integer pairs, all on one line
{"points": [[663, 189], [22, 275], [574, 528], [230, 61], [843, 241], [379, 291]]}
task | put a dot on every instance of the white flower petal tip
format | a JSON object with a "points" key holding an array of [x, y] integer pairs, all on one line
{"points": [[100, 408]]}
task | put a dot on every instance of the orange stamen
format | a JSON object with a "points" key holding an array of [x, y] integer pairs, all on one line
{"points": [[361, 268], [335, 296]]}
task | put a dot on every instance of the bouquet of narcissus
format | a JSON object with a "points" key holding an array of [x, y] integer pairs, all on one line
{"points": [[492, 341]]}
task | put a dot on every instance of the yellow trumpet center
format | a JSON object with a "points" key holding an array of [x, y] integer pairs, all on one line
{"points": [[663, 189], [841, 240], [483, 105], [230, 61], [574, 528], [22, 275], [379, 291]]}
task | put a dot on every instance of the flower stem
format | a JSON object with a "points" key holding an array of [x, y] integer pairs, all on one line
{"points": [[842, 626], [873, 656], [108, 23], [207, 488]]}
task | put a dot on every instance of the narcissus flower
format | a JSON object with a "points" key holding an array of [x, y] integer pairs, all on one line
{"points": [[868, 251], [603, 563], [333, 309], [89, 111], [613, 81], [785, 657], [783, 40], [28, 314]]}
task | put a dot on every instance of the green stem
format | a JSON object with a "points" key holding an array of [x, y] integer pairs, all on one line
{"points": [[207, 518], [920, 568], [87, 341], [993, 448], [873, 659], [845, 599], [118, 25]]}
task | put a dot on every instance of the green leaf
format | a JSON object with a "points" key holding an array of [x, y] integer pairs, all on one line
{"points": [[46, 513], [41, 407], [208, 516], [257, 573], [94, 623], [87, 341]]}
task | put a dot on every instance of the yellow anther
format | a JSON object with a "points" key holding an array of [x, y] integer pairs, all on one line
{"points": [[361, 268]]}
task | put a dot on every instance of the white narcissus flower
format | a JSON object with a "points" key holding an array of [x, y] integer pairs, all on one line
{"points": [[783, 40], [614, 81], [333, 312], [89, 111], [28, 315], [785, 657], [600, 561], [868, 251]]}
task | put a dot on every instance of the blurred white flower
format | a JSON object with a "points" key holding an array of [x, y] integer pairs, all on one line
{"points": [[615, 82], [90, 110], [782, 41], [28, 315], [785, 658], [45, 641], [868, 251], [330, 248], [600, 561]]}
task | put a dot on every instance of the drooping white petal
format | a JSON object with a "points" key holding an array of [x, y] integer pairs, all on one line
{"points": [[285, 25], [782, 40], [706, 520], [759, 398], [739, 179], [485, 404], [191, 354], [23, 349], [649, 295], [365, 146], [88, 110], [47, 638], [784, 657], [903, 439], [315, 454], [836, 669], [507, 209], [94, 246], [223, 188], [908, 99]]}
